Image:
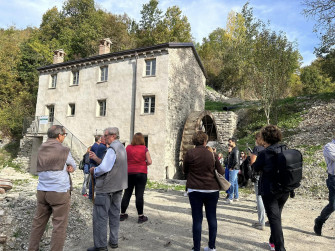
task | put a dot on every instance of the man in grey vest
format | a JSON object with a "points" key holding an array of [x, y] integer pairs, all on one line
{"points": [[111, 178], [54, 163]]}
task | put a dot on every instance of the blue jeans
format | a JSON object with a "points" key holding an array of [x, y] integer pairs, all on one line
{"points": [[210, 200], [233, 190], [226, 175], [260, 205], [330, 208]]}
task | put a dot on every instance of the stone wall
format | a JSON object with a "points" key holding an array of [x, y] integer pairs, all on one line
{"points": [[186, 94], [24, 155], [226, 123]]}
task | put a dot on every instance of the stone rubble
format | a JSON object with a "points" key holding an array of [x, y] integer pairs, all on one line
{"points": [[17, 209], [314, 131]]}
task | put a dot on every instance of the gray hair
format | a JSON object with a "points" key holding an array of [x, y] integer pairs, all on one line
{"points": [[55, 130], [113, 130]]}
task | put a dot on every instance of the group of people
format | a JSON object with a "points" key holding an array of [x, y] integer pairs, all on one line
{"points": [[203, 189], [121, 168], [113, 168]]}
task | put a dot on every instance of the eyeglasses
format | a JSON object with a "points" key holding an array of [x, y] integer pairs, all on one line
{"points": [[64, 134]]}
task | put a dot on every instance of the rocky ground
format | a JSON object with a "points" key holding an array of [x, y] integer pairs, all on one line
{"points": [[169, 225]]}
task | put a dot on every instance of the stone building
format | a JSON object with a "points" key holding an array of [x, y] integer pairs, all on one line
{"points": [[150, 90]]}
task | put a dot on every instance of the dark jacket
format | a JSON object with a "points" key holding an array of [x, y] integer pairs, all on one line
{"points": [[234, 159], [266, 165], [199, 168]]}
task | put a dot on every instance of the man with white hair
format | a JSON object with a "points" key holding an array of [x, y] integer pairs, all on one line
{"points": [[329, 154], [111, 177]]}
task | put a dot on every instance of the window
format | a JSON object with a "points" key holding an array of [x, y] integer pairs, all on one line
{"points": [[145, 140], [150, 67], [71, 110], [51, 109], [75, 78], [103, 73], [102, 108], [53, 81], [149, 104]]}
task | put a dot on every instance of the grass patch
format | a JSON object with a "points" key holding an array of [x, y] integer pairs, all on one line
{"points": [[17, 233], [10, 163], [323, 165], [160, 186], [20, 182], [324, 96], [310, 150], [213, 106]]}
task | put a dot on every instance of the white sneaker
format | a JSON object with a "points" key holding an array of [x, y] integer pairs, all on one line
{"points": [[236, 199], [229, 201], [209, 249]]}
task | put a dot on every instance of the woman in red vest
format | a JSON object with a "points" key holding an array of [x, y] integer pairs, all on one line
{"points": [[139, 159]]}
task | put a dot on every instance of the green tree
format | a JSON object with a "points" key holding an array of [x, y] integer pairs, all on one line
{"points": [[323, 12], [328, 64], [313, 81], [227, 53], [175, 27], [151, 19], [16, 99], [275, 60]]}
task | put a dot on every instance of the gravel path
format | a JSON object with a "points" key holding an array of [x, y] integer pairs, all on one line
{"points": [[169, 225]]}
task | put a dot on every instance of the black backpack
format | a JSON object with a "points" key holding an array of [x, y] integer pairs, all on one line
{"points": [[289, 169]]}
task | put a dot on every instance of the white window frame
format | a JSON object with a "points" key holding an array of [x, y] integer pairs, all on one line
{"points": [[149, 104], [71, 110], [101, 108], [150, 67], [104, 73], [75, 78], [53, 82]]}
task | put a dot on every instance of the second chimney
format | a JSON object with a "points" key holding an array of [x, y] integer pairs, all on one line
{"points": [[105, 46], [59, 56]]}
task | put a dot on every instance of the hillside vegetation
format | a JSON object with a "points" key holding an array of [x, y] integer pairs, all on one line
{"points": [[307, 123]]}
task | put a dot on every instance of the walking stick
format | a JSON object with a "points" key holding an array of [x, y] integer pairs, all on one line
{"points": [[92, 178]]}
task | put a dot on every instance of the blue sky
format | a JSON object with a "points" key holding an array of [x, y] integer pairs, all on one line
{"points": [[203, 15]]}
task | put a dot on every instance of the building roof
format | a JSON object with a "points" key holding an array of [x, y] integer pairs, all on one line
{"points": [[127, 52]]}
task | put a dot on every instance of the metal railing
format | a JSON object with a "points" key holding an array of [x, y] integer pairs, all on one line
{"points": [[78, 148]]}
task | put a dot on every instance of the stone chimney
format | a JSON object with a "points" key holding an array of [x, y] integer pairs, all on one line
{"points": [[59, 56], [105, 46]]}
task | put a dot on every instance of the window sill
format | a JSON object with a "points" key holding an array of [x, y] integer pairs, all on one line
{"points": [[52, 88], [100, 82], [147, 114], [74, 85], [70, 116], [149, 76]]}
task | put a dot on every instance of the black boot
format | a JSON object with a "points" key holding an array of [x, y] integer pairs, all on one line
{"points": [[97, 249], [317, 227]]}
